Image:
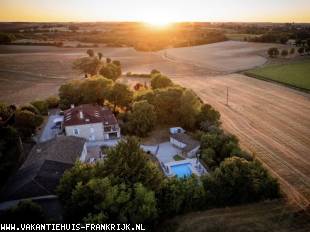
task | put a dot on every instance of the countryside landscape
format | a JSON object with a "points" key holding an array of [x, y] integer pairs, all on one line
{"points": [[161, 124]]}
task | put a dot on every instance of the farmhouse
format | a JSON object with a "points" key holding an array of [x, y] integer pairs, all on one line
{"points": [[91, 122], [42, 170], [183, 141]]}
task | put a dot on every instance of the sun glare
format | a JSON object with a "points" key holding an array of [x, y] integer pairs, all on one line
{"points": [[158, 23]]}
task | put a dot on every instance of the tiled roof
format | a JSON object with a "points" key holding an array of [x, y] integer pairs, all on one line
{"points": [[40, 173], [88, 114], [187, 140]]}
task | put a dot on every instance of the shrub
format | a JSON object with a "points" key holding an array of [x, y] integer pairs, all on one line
{"points": [[52, 102], [42, 106], [159, 81]]}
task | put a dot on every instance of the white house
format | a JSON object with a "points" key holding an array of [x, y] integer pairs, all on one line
{"points": [[91, 122], [183, 141]]}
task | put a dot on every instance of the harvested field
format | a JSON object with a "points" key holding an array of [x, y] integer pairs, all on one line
{"points": [[228, 56], [266, 216], [270, 120]]}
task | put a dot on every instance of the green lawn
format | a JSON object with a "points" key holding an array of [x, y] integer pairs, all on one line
{"points": [[177, 158], [293, 74]]}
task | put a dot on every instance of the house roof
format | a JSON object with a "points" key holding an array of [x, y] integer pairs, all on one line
{"points": [[89, 114], [187, 140], [46, 163]]}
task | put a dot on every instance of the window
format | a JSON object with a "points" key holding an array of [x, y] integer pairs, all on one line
{"points": [[76, 131]]}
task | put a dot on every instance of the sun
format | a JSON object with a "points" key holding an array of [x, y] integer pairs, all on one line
{"points": [[159, 23]]}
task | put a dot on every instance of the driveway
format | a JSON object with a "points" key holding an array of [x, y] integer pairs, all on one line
{"points": [[49, 132]]}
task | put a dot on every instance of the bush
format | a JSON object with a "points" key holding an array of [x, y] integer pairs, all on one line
{"points": [[237, 181], [25, 212], [52, 102], [159, 81], [30, 108], [42, 106], [26, 122]]}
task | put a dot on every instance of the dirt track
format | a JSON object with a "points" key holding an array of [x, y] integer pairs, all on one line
{"points": [[270, 120]]}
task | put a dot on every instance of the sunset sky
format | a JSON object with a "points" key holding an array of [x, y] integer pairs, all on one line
{"points": [[159, 10]]}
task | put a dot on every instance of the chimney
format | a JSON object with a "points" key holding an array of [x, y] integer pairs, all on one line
{"points": [[81, 115], [72, 106]]}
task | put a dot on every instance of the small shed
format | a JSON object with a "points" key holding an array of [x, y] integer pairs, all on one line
{"points": [[188, 145]]}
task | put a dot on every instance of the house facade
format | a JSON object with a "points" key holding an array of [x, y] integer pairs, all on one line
{"points": [[91, 122]]}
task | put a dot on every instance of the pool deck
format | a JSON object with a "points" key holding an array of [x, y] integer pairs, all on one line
{"points": [[196, 167]]}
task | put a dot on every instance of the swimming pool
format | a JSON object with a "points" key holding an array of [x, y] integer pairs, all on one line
{"points": [[182, 170]]}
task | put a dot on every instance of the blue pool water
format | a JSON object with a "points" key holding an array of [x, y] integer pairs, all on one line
{"points": [[182, 170]]}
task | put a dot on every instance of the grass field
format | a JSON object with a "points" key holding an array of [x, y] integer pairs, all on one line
{"points": [[267, 216], [293, 74]]}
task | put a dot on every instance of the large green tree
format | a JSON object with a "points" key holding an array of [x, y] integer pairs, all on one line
{"points": [[189, 109], [95, 89], [160, 81], [88, 65], [120, 95], [237, 181], [128, 163], [142, 119]]}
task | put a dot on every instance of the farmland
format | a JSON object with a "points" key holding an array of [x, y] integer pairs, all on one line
{"points": [[271, 120], [295, 74], [267, 216]]}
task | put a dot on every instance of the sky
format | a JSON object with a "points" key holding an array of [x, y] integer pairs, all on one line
{"points": [[155, 10]]}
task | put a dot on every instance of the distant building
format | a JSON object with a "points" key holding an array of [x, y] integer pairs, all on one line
{"points": [[183, 141], [42, 170], [91, 122]]}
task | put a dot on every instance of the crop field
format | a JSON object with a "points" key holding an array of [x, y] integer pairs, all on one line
{"points": [[267, 216], [271, 120], [296, 74], [240, 37]]}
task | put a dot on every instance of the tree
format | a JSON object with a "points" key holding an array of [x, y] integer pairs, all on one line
{"points": [[26, 122], [301, 50], [25, 212], [111, 71], [181, 195], [237, 181], [52, 102], [292, 51], [70, 93], [189, 109], [95, 89], [208, 117], [100, 55], [87, 65], [142, 119], [108, 60], [160, 81], [120, 95], [30, 108], [284, 53], [129, 164], [273, 52], [6, 38], [167, 102], [90, 52], [10, 152], [42, 106]]}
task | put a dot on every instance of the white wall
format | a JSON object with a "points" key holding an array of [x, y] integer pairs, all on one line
{"points": [[85, 131], [177, 143]]}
